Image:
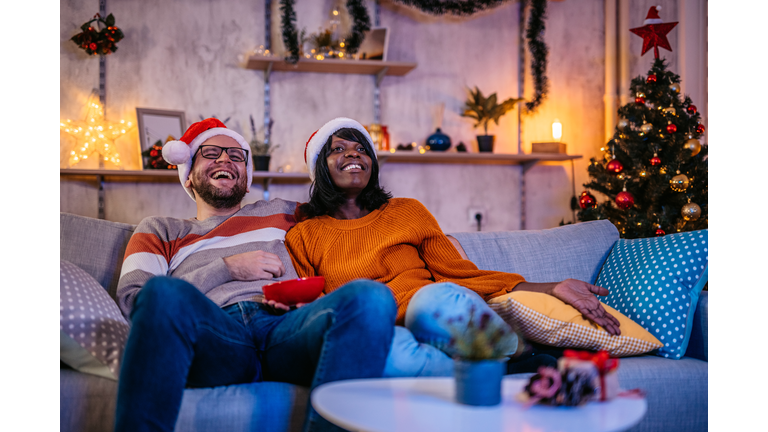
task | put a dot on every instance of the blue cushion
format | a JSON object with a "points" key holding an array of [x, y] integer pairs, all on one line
{"points": [[656, 282]]}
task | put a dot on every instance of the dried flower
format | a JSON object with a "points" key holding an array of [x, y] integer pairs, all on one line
{"points": [[258, 147], [570, 387], [482, 338]]}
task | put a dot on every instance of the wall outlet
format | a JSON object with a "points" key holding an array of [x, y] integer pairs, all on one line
{"points": [[473, 212]]}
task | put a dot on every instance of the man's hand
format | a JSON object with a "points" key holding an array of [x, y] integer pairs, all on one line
{"points": [[277, 305], [255, 265], [581, 295]]}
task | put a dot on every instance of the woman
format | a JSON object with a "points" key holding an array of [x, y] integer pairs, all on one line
{"points": [[353, 229]]}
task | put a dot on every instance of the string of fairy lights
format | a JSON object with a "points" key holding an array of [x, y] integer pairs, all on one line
{"points": [[95, 136]]}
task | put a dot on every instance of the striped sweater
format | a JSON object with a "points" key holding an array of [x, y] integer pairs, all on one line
{"points": [[400, 244], [194, 251]]}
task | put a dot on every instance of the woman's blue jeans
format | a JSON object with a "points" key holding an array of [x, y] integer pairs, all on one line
{"points": [[421, 348], [179, 338]]}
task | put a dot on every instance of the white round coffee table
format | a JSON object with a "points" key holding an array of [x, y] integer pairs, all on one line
{"points": [[427, 404]]}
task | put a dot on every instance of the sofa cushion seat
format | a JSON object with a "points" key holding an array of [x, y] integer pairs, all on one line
{"points": [[676, 391], [88, 403]]}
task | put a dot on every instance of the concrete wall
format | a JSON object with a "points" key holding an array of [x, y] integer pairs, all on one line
{"points": [[186, 55]]}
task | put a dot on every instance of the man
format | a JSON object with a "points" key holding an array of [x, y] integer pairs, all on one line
{"points": [[192, 290]]}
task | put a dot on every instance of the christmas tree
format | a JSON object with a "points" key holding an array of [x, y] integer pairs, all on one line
{"points": [[655, 167]]}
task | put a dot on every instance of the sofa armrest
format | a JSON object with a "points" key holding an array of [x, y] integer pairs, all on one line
{"points": [[697, 345]]}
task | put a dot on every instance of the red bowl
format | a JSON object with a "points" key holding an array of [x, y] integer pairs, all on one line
{"points": [[294, 291]]}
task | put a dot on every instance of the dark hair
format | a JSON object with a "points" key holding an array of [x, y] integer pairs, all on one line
{"points": [[325, 198]]}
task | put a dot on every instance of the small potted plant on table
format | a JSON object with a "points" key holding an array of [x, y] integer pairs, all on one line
{"points": [[481, 349], [483, 110], [261, 151]]}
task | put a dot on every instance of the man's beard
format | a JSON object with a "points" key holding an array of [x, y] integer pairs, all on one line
{"points": [[217, 197]]}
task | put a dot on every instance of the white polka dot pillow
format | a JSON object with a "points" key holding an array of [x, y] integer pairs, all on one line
{"points": [[92, 329], [656, 282]]}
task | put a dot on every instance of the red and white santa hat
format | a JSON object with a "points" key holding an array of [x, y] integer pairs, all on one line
{"points": [[653, 16], [318, 139], [180, 152]]}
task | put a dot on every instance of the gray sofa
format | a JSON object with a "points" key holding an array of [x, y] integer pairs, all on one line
{"points": [[676, 390]]}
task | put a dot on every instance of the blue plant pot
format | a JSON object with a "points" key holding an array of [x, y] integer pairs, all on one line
{"points": [[438, 141], [478, 382]]}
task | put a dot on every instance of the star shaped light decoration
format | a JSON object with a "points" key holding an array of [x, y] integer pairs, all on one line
{"points": [[94, 135], [654, 32]]}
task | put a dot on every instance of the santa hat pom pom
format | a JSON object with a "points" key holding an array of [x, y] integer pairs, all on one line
{"points": [[176, 152]]}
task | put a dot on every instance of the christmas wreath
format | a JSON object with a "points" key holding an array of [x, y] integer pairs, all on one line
{"points": [[101, 42], [361, 24]]}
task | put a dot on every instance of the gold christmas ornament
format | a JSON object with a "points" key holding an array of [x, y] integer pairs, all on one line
{"points": [[693, 145], [670, 111], [691, 211], [679, 183], [623, 123], [640, 94], [675, 87], [646, 128]]}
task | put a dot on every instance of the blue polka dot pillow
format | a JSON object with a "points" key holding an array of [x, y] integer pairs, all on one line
{"points": [[656, 282]]}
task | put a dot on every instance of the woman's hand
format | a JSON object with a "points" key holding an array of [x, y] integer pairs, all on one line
{"points": [[581, 295]]}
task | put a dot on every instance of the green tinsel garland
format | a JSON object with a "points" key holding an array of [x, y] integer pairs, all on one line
{"points": [[361, 24], [539, 51], [454, 7], [290, 34]]}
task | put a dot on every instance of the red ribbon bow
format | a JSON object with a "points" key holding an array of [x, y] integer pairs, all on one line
{"points": [[604, 362]]}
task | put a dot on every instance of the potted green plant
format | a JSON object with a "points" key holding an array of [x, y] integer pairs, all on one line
{"points": [[261, 151], [480, 350], [483, 110]]}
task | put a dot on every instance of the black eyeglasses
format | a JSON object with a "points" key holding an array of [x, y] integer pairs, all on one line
{"points": [[236, 154]]}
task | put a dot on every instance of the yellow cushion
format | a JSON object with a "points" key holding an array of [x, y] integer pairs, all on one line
{"points": [[545, 319]]}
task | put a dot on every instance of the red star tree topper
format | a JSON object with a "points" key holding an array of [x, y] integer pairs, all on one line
{"points": [[654, 32]]}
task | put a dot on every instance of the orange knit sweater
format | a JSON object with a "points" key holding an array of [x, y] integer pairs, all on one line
{"points": [[400, 245]]}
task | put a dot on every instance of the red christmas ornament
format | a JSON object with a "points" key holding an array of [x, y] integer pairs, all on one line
{"points": [[671, 128], [625, 200], [654, 32], [614, 166], [586, 199], [691, 109], [92, 46], [640, 101], [660, 232], [655, 160], [651, 79], [700, 128]]}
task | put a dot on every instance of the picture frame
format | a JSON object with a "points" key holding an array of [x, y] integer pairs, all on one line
{"points": [[155, 124], [374, 45]]}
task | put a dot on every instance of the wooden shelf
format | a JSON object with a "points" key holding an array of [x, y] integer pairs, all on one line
{"points": [[413, 156], [361, 67], [163, 176]]}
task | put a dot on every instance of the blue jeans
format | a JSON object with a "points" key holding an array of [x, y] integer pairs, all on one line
{"points": [[179, 338], [422, 348]]}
